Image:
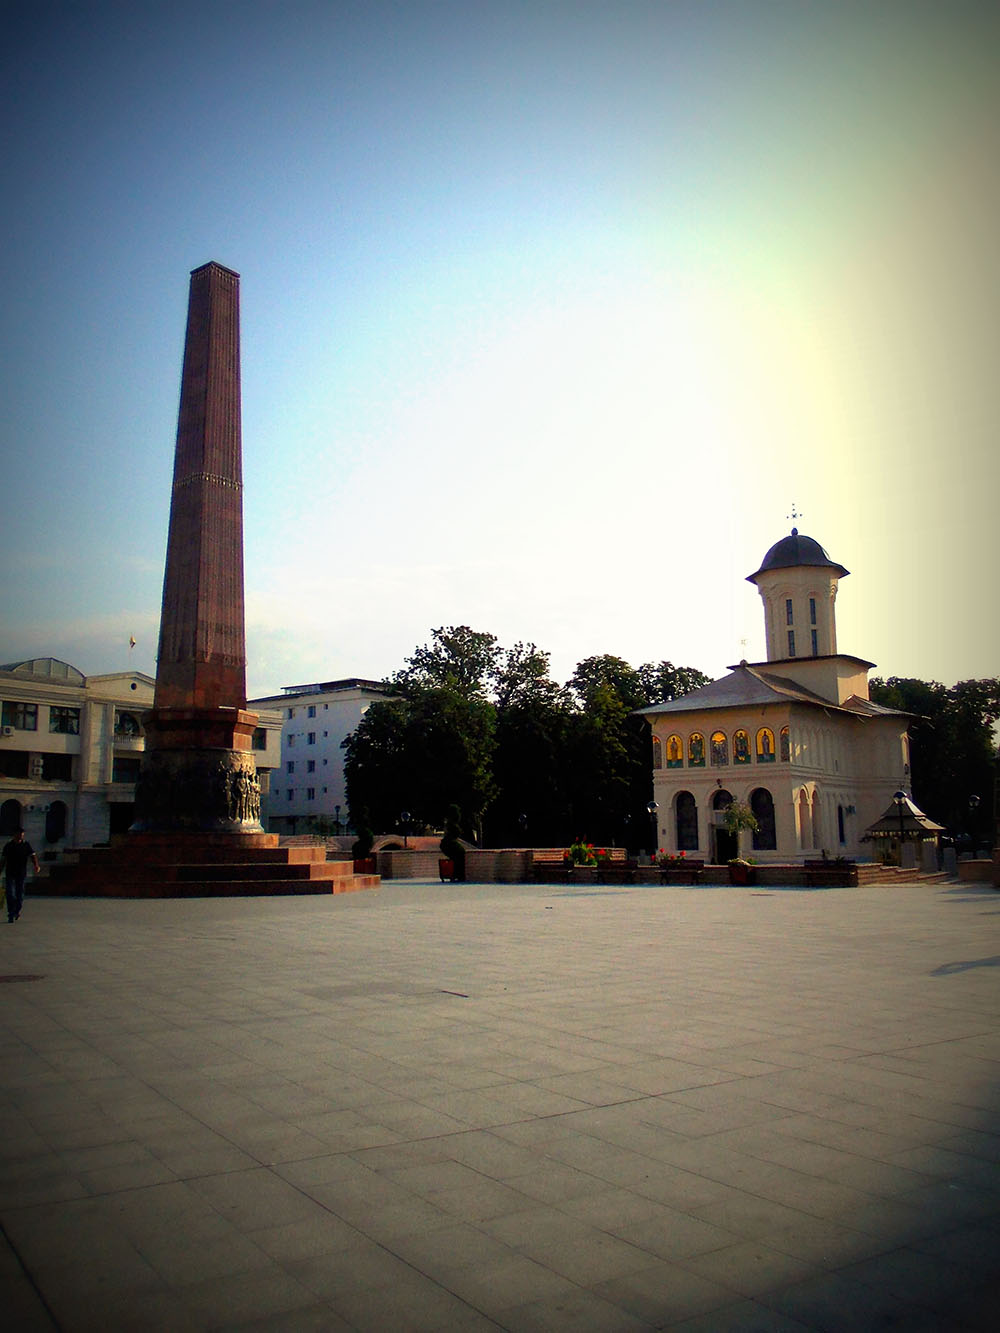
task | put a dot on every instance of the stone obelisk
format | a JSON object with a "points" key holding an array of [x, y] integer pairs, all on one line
{"points": [[198, 773]]}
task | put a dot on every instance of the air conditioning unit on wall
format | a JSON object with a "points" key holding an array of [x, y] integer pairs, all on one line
{"points": [[8, 731]]}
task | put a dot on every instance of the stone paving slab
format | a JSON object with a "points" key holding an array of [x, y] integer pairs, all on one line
{"points": [[504, 1107]]}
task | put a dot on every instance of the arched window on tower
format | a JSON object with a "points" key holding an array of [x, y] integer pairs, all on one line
{"points": [[741, 747], [675, 752], [785, 744], [696, 750], [720, 749], [657, 753]]}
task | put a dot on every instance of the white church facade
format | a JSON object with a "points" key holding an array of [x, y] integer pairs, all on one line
{"points": [[796, 738]]}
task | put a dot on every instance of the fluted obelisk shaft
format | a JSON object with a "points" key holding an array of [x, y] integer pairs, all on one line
{"points": [[202, 653], [198, 773]]}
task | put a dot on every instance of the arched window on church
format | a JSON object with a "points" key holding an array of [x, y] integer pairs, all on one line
{"points": [[841, 832], [696, 750], [741, 747], [720, 749], [675, 752], [765, 746], [686, 812], [765, 838], [657, 753], [785, 744]]}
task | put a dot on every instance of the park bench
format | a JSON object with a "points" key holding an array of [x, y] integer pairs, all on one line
{"points": [[686, 871], [549, 866]]}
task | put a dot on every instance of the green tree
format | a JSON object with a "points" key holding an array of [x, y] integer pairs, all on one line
{"points": [[533, 717], [952, 747], [611, 771], [431, 744]]}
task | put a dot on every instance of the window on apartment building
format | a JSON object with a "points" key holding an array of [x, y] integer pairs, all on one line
{"points": [[291, 740], [291, 712], [311, 711], [57, 767], [14, 763], [259, 740], [290, 766], [126, 724], [310, 793], [20, 716], [325, 734], [64, 721], [125, 768], [311, 738], [311, 766], [290, 793]]}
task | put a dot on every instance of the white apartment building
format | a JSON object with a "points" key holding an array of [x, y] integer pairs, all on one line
{"points": [[70, 750], [308, 783]]}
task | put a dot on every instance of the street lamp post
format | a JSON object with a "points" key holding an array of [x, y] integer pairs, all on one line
{"points": [[652, 809], [973, 821], [900, 799], [404, 818]]}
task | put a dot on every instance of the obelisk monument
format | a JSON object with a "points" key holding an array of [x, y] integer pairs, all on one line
{"points": [[198, 773]]}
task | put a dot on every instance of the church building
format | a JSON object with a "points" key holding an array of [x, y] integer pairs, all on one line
{"points": [[796, 738]]}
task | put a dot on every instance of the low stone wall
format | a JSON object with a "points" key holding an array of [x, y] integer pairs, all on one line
{"points": [[514, 865], [979, 871], [408, 865]]}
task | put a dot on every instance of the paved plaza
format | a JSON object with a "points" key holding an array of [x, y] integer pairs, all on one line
{"points": [[515, 1107]]}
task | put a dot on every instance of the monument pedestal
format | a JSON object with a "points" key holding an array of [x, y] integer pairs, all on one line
{"points": [[198, 773], [203, 865]]}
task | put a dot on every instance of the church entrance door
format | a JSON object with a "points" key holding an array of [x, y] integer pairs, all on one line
{"points": [[726, 846]]}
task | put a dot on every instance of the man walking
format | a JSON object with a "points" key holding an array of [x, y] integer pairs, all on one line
{"points": [[14, 858]]}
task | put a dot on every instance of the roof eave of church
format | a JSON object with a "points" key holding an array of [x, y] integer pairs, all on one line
{"points": [[744, 686]]}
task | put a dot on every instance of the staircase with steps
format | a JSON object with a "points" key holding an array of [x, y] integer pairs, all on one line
{"points": [[202, 865]]}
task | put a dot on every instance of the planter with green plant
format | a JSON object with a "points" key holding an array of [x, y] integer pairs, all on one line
{"points": [[738, 819], [451, 864]]}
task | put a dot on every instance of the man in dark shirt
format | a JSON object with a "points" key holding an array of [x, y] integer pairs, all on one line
{"points": [[14, 858]]}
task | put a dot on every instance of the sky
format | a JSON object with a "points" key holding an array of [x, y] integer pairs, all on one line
{"points": [[554, 315]]}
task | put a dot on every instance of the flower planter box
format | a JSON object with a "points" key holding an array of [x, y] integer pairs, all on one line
{"points": [[365, 865], [447, 870], [742, 874]]}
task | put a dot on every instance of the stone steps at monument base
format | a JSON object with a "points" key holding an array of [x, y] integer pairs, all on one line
{"points": [[188, 871], [134, 887], [182, 865], [163, 853]]}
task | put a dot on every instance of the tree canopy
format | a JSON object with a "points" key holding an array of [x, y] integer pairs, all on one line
{"points": [[952, 746], [486, 728]]}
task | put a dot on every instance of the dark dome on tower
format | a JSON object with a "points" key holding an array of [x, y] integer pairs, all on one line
{"points": [[793, 550]]}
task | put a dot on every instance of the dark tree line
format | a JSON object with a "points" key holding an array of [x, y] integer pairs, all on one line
{"points": [[485, 728], [952, 748]]}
